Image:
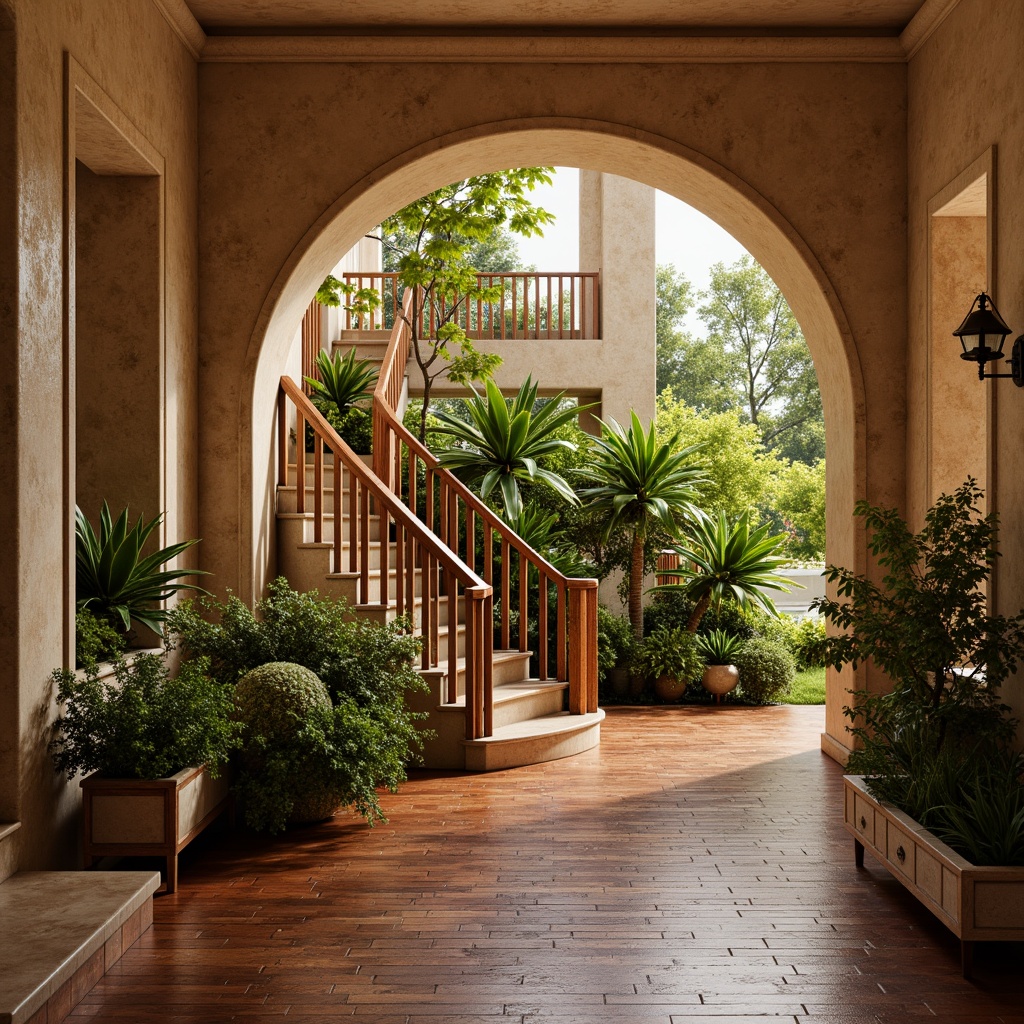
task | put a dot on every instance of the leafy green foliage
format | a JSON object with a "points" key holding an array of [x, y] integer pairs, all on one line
{"points": [[95, 639], [343, 380], [926, 627], [615, 643], [766, 670], [506, 442], [811, 643], [728, 559], [673, 608], [143, 724], [796, 501], [718, 646], [115, 581], [738, 472], [639, 482], [541, 532], [354, 426], [361, 302], [442, 228], [669, 652]]}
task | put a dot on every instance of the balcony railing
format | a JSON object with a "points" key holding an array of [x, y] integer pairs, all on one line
{"points": [[531, 306]]}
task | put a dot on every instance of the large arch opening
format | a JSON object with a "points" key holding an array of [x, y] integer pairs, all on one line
{"points": [[616, 149]]}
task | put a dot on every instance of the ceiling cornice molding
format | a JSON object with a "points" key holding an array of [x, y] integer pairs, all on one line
{"points": [[497, 49], [185, 26], [929, 17]]}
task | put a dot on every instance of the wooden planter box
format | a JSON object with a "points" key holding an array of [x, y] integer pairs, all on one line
{"points": [[150, 817], [978, 904]]}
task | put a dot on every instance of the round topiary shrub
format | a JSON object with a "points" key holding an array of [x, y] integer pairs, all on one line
{"points": [[287, 760], [766, 670]]}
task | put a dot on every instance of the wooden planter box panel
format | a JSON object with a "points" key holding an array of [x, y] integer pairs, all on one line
{"points": [[150, 817], [978, 904]]}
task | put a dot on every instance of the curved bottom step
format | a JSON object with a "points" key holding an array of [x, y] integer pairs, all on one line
{"points": [[534, 741]]}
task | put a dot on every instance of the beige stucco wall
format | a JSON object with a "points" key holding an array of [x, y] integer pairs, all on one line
{"points": [[137, 61], [804, 164], [958, 110]]}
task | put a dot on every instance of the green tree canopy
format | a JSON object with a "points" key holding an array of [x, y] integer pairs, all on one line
{"points": [[739, 473], [797, 500]]}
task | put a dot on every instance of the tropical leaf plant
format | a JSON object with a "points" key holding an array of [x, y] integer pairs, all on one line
{"points": [[113, 578], [728, 559], [506, 441], [344, 380], [540, 531], [639, 483]]}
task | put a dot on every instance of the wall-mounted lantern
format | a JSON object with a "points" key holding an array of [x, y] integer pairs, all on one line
{"points": [[982, 335]]}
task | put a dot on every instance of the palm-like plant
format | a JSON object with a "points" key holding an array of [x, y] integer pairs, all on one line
{"points": [[728, 559], [505, 442], [114, 581], [640, 483], [344, 380]]}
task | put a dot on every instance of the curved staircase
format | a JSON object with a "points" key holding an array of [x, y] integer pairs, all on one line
{"points": [[389, 549]]}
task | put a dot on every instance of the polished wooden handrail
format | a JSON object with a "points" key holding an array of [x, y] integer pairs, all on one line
{"points": [[533, 305], [451, 509], [419, 554]]}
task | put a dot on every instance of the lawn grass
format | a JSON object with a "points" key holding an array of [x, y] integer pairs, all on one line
{"points": [[808, 688]]}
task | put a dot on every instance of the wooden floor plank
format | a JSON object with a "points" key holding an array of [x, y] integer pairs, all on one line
{"points": [[693, 867]]}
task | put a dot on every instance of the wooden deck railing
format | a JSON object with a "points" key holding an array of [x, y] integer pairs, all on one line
{"points": [[532, 306], [427, 571], [312, 342], [565, 635]]}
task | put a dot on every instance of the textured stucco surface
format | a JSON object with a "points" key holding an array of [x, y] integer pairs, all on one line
{"points": [[128, 48], [954, 118]]}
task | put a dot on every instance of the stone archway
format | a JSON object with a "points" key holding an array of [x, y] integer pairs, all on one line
{"points": [[617, 149]]}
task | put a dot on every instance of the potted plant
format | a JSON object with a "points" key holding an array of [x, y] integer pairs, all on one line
{"points": [[115, 582], [938, 791], [154, 746], [672, 659], [720, 674], [340, 391]]}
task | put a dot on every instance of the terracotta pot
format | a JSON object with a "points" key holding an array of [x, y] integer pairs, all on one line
{"points": [[719, 679], [669, 689]]}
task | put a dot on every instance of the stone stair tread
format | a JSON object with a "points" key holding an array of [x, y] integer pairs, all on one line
{"points": [[516, 690], [549, 725]]}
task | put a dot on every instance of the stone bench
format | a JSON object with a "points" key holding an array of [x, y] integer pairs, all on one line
{"points": [[61, 931]]}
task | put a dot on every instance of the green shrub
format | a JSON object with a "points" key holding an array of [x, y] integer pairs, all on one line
{"points": [[811, 643], [366, 668], [142, 724], [672, 610], [615, 642], [354, 426], [290, 767], [766, 670], [95, 639]]}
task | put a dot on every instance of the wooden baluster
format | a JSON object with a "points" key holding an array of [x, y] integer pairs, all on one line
{"points": [[572, 306], [435, 632], [400, 605], [471, 538], [300, 463], [318, 488], [560, 634], [488, 552], [364, 545], [426, 606], [339, 519], [282, 438], [384, 524], [428, 494], [506, 583], [412, 481], [548, 332], [353, 521], [410, 578], [524, 602], [542, 628], [536, 306], [514, 298]]}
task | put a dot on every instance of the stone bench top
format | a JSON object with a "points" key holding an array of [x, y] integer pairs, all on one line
{"points": [[52, 922]]}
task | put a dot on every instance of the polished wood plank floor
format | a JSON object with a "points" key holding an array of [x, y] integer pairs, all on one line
{"points": [[691, 868]]}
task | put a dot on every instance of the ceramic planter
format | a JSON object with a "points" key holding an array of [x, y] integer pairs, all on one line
{"points": [[978, 904], [720, 679], [150, 817], [669, 689]]}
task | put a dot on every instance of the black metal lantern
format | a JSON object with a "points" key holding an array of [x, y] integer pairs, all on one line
{"points": [[982, 334]]}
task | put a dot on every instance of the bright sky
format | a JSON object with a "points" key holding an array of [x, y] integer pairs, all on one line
{"points": [[683, 236]]}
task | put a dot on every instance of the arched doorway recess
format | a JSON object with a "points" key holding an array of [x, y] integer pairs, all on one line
{"points": [[612, 148]]}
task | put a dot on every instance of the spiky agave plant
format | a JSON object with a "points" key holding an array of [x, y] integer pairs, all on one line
{"points": [[344, 380], [507, 441], [115, 581]]}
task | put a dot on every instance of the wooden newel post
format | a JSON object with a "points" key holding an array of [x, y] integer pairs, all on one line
{"points": [[582, 646]]}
